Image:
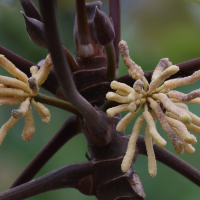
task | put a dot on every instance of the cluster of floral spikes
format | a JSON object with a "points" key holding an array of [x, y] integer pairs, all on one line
{"points": [[23, 90], [158, 102]]}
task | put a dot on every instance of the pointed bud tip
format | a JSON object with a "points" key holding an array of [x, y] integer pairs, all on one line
{"points": [[103, 28], [35, 30]]}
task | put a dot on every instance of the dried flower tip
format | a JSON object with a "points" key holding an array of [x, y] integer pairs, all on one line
{"points": [[184, 97], [7, 92], [121, 86], [169, 105], [162, 65], [131, 144], [134, 70], [103, 28], [11, 100], [152, 129], [152, 167], [13, 82], [22, 110], [42, 111], [121, 126], [10, 67], [162, 77], [44, 70], [34, 86], [138, 86], [6, 127], [34, 70], [182, 81], [113, 111], [187, 147], [29, 127], [187, 137], [115, 97], [3, 86]]}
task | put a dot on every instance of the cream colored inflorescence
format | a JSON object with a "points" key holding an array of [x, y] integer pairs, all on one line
{"points": [[160, 103], [23, 90]]}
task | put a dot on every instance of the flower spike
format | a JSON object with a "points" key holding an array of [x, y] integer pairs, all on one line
{"points": [[23, 91], [158, 102]]}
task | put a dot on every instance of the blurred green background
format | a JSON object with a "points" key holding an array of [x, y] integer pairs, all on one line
{"points": [[153, 29]]}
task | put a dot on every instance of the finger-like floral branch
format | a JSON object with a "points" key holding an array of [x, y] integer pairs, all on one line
{"points": [[23, 90], [159, 103]]}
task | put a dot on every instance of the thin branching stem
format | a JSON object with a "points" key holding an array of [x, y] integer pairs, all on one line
{"points": [[64, 177], [57, 103], [110, 74], [62, 68]]}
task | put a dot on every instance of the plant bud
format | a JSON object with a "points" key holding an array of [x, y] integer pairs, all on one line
{"points": [[30, 10], [103, 28], [35, 30]]}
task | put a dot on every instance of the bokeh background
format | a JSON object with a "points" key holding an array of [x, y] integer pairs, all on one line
{"points": [[153, 29]]}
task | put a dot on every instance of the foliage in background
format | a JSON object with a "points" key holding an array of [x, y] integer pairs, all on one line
{"points": [[153, 29]]}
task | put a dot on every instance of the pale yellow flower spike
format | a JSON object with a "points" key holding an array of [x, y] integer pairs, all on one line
{"points": [[152, 129], [187, 137], [181, 105], [182, 81], [116, 97], [162, 65], [10, 67], [44, 70], [13, 82], [121, 126], [29, 127], [134, 70], [123, 123], [6, 127], [131, 144], [12, 92], [169, 105], [121, 86], [121, 92], [42, 111], [184, 97], [113, 111], [162, 77], [11, 100], [195, 118], [152, 167], [193, 128], [175, 140], [188, 148]]}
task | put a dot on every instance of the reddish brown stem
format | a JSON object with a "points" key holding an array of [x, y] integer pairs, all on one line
{"points": [[64, 177]]}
